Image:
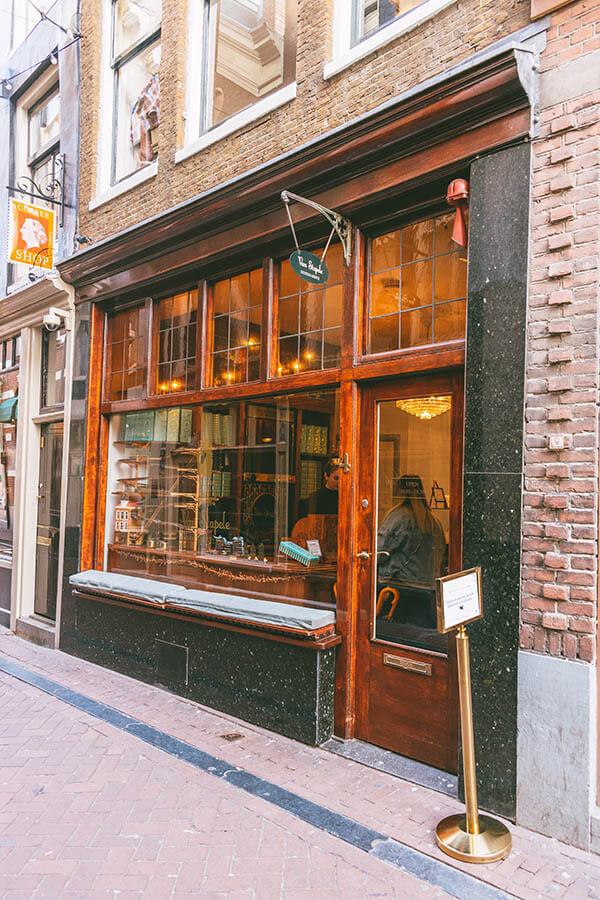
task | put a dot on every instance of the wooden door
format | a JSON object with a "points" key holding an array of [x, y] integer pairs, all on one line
{"points": [[48, 520], [409, 533]]}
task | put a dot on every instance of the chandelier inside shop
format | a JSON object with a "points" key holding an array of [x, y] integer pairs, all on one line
{"points": [[425, 407]]}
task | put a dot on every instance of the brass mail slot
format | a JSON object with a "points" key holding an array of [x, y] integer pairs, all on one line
{"points": [[44, 541], [410, 665]]}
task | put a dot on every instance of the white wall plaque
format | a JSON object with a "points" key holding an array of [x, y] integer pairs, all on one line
{"points": [[459, 599]]}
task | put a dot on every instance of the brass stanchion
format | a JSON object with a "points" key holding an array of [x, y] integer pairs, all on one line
{"points": [[470, 837]]}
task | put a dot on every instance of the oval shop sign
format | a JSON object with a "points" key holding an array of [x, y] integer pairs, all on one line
{"points": [[309, 267]]}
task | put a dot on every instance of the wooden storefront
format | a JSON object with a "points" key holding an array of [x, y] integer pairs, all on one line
{"points": [[220, 388]]}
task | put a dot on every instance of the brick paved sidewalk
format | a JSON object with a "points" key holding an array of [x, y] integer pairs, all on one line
{"points": [[89, 811], [537, 868]]}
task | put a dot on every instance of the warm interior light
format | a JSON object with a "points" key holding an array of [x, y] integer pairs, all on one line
{"points": [[174, 385], [279, 370], [296, 365], [229, 376], [309, 355], [425, 407], [163, 388]]}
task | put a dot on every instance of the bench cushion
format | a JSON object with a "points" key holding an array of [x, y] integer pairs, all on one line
{"points": [[114, 583], [263, 612]]}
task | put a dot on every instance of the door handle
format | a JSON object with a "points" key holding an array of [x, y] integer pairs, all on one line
{"points": [[363, 554]]}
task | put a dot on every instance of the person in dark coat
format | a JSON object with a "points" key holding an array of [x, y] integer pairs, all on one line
{"points": [[324, 501], [411, 545]]}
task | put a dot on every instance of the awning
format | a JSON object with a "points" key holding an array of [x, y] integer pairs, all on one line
{"points": [[8, 410]]}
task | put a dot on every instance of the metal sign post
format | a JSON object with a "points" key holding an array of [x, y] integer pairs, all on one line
{"points": [[469, 837]]}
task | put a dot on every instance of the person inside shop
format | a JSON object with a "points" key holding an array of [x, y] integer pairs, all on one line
{"points": [[324, 501], [411, 551]]}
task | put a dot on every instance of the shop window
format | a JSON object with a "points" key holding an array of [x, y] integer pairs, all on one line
{"points": [[310, 318], [362, 26], [176, 336], [205, 495], [371, 15], [250, 53], [54, 345], [127, 354], [418, 287], [237, 317], [135, 60]]}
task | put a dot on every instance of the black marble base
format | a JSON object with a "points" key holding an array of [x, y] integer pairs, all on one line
{"points": [[282, 687]]}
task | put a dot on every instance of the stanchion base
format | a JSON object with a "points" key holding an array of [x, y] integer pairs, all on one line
{"points": [[493, 841]]}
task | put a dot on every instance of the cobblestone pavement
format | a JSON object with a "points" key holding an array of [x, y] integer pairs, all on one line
{"points": [[87, 810]]}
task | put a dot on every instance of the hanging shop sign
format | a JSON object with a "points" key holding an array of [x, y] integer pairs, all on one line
{"points": [[309, 267], [30, 234]]}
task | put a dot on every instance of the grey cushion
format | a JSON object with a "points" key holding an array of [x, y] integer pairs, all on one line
{"points": [[113, 582], [264, 612]]}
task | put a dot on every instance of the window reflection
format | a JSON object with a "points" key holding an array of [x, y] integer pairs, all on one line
{"points": [[205, 495], [374, 14], [418, 287], [413, 516], [252, 52]]}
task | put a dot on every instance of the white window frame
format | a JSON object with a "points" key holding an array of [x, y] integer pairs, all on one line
{"points": [[194, 140], [343, 54], [105, 190]]}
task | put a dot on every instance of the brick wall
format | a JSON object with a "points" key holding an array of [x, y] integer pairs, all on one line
{"points": [[560, 528], [455, 34]]}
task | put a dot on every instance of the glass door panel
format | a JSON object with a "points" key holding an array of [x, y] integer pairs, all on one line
{"points": [[413, 518], [48, 520]]}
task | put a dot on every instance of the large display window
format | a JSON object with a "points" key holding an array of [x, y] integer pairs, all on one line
{"points": [[241, 495]]}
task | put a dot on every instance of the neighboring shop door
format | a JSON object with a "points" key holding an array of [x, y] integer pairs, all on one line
{"points": [[48, 519], [409, 532]]}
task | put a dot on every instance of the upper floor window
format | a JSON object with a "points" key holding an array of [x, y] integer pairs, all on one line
{"points": [[43, 141], [250, 52], [135, 60], [53, 368], [371, 15], [418, 287], [362, 26]]}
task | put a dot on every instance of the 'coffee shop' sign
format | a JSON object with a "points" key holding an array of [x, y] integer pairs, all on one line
{"points": [[309, 266]]}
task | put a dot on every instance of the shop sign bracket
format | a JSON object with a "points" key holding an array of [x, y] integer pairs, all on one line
{"points": [[51, 187], [341, 226]]}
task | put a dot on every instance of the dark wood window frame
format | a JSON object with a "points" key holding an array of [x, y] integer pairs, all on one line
{"points": [[355, 312]]}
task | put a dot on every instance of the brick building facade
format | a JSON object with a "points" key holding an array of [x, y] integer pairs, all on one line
{"points": [[534, 657], [560, 506]]}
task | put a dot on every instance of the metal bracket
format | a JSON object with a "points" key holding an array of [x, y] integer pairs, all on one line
{"points": [[342, 226], [53, 183]]}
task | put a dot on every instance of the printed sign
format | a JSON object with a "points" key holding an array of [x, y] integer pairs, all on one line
{"points": [[309, 267], [30, 234], [314, 547], [459, 599]]}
